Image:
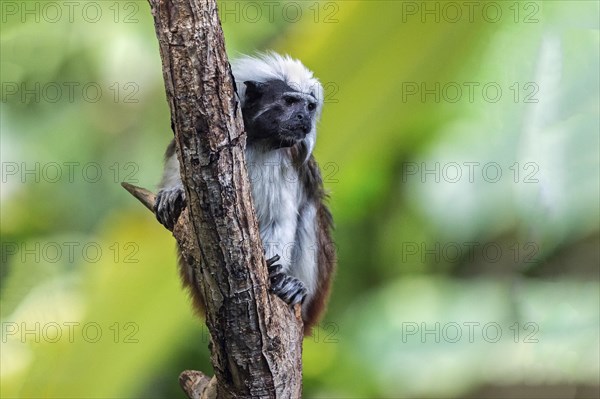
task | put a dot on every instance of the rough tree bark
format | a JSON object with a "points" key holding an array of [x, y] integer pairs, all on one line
{"points": [[256, 339]]}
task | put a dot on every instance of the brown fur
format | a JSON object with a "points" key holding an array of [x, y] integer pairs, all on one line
{"points": [[310, 175]]}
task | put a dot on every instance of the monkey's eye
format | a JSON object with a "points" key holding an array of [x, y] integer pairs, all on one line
{"points": [[289, 100], [312, 106]]}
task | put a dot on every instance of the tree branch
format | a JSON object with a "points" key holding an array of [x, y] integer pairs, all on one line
{"points": [[256, 339]]}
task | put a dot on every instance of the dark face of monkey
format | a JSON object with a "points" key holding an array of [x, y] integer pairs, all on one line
{"points": [[276, 115]]}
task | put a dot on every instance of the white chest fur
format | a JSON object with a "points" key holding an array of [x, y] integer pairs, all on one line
{"points": [[277, 197], [285, 218]]}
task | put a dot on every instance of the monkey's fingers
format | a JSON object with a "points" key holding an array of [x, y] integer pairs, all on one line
{"points": [[272, 260], [169, 205], [288, 288], [275, 270]]}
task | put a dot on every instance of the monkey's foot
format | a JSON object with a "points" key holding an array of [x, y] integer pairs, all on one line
{"points": [[169, 204], [287, 287]]}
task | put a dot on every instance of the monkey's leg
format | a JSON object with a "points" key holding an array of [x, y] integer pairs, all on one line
{"points": [[287, 287], [169, 204]]}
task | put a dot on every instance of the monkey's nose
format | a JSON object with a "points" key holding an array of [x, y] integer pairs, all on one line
{"points": [[302, 115]]}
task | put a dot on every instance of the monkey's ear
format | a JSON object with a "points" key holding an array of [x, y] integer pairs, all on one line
{"points": [[254, 89]]}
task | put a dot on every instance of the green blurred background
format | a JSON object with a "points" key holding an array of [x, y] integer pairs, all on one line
{"points": [[459, 142]]}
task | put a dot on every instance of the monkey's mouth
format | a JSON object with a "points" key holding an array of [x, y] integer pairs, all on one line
{"points": [[290, 134], [298, 130]]}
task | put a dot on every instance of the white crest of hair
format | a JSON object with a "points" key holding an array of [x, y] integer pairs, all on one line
{"points": [[272, 66]]}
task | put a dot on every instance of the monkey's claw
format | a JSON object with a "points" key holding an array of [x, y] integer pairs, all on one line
{"points": [[169, 204], [271, 262], [287, 287]]}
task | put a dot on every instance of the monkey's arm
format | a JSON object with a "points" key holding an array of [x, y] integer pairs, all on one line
{"points": [[325, 268], [170, 199]]}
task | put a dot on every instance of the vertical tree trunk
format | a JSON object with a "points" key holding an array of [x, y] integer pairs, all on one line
{"points": [[256, 339]]}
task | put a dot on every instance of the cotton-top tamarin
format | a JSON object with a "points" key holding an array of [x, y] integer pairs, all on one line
{"points": [[281, 104]]}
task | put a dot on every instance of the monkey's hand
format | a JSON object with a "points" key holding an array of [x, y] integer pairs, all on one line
{"points": [[169, 204], [287, 287]]}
